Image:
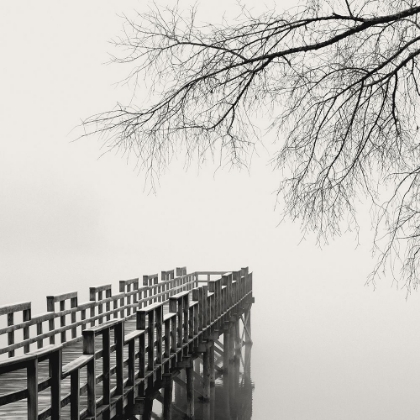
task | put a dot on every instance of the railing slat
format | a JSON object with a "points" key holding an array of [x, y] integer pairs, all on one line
{"points": [[185, 327]]}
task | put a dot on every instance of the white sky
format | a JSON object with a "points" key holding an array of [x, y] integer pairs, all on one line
{"points": [[326, 346]]}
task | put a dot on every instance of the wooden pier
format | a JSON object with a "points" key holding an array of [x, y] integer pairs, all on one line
{"points": [[110, 357]]}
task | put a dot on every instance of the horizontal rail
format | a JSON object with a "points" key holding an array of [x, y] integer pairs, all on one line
{"points": [[154, 348]]}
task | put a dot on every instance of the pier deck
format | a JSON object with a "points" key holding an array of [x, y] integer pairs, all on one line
{"points": [[114, 352]]}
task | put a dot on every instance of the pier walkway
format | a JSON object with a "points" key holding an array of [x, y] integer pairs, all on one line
{"points": [[110, 357]]}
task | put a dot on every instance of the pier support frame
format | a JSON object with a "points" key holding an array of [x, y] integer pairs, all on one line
{"points": [[167, 399], [190, 392]]}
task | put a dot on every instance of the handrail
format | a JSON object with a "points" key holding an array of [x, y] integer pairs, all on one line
{"points": [[30, 363], [131, 296], [155, 348]]}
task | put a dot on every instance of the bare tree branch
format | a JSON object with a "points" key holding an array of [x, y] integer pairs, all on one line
{"points": [[340, 81]]}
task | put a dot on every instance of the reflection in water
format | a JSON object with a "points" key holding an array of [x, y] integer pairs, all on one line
{"points": [[230, 395]]}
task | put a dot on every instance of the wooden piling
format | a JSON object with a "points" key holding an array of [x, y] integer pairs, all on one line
{"points": [[212, 371], [167, 399], [206, 376], [173, 341], [190, 392]]}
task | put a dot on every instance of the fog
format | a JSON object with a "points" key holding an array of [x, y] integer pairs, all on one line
{"points": [[326, 346]]}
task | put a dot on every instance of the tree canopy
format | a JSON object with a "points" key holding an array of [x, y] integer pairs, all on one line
{"points": [[339, 82]]}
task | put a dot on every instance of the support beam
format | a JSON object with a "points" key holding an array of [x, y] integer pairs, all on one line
{"points": [[167, 400], [206, 376], [226, 351], [190, 393]]}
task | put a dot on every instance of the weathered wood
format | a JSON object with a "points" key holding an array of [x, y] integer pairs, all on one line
{"points": [[75, 394], [55, 366], [14, 307], [59, 298], [119, 341], [32, 380], [167, 400], [63, 321], [73, 304], [40, 341], [163, 339], [206, 376], [131, 362], [76, 364], [106, 365], [212, 367], [10, 335], [26, 318], [190, 392]]}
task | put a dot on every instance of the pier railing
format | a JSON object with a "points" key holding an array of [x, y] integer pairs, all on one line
{"points": [[102, 307], [199, 304]]}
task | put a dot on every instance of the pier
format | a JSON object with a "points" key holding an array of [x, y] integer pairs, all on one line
{"points": [[113, 356]]}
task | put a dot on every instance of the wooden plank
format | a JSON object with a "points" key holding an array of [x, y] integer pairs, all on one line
{"points": [[134, 334], [190, 321], [14, 307], [169, 316], [124, 283], [32, 383], [119, 358], [75, 395], [106, 364], [104, 326], [76, 364], [64, 296], [55, 365], [96, 289], [10, 335]]}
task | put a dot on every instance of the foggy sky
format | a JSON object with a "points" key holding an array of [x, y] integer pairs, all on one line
{"points": [[325, 345]]}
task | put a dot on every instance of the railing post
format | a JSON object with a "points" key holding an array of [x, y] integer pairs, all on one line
{"points": [[119, 358], [32, 384], [96, 294], [167, 399], [136, 295], [131, 362], [106, 365], [39, 343], [142, 361], [226, 349], [11, 334], [148, 292], [75, 395], [166, 277], [190, 322], [128, 290], [175, 305], [115, 307], [83, 317], [185, 307], [206, 375], [122, 300], [51, 322], [211, 361], [89, 348], [205, 307], [63, 320], [143, 315], [155, 289], [73, 304], [190, 392], [227, 282], [180, 271], [55, 387], [26, 317]]}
